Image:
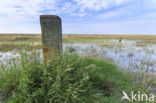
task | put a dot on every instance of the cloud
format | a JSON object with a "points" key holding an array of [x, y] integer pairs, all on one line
{"points": [[29, 8], [114, 13], [70, 9], [99, 4], [136, 9], [18, 15], [78, 8]]}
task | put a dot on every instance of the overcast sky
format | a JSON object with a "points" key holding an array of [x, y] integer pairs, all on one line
{"points": [[81, 16]]}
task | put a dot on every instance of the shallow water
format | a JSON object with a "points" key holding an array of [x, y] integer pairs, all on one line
{"points": [[6, 56], [128, 54]]}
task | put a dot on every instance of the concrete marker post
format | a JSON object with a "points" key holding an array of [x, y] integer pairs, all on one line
{"points": [[51, 27]]}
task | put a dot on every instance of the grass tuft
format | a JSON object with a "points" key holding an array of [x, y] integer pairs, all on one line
{"points": [[70, 79]]}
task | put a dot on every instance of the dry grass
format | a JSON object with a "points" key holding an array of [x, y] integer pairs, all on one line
{"points": [[110, 36], [25, 37], [8, 41]]}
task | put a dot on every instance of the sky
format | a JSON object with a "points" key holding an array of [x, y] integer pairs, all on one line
{"points": [[80, 16]]}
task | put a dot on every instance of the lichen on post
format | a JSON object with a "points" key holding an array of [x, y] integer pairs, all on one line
{"points": [[51, 27]]}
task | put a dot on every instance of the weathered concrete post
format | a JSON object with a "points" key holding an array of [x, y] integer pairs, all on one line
{"points": [[51, 27]]}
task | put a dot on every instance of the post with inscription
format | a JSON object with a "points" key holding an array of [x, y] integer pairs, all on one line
{"points": [[51, 27]]}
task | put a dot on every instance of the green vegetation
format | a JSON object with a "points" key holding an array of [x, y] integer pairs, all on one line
{"points": [[69, 79]]}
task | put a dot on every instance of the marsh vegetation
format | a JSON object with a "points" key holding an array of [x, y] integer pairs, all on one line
{"points": [[98, 67]]}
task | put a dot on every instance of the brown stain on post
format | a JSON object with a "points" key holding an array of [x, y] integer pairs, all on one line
{"points": [[51, 26], [45, 53]]}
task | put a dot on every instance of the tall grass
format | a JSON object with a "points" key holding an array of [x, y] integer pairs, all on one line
{"points": [[70, 79]]}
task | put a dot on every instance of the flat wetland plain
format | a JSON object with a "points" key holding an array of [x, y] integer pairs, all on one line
{"points": [[130, 52], [11, 41], [135, 55]]}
